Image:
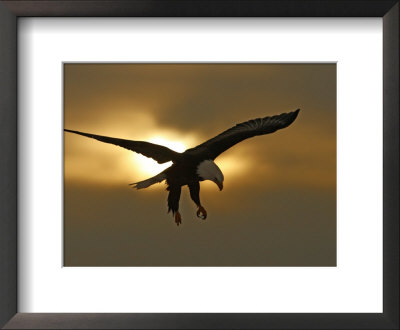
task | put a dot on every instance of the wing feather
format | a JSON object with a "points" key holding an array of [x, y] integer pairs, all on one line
{"points": [[159, 153], [212, 148]]}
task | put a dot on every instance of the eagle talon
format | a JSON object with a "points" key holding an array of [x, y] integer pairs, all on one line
{"points": [[178, 218], [201, 213]]}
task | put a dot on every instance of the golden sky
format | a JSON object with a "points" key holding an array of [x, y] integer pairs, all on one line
{"points": [[278, 206]]}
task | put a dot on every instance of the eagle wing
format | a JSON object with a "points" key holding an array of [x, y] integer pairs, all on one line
{"points": [[159, 153], [212, 148]]}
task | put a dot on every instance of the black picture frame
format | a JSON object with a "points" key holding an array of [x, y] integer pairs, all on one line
{"points": [[9, 13]]}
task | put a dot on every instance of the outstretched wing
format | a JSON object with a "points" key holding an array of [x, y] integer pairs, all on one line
{"points": [[212, 148], [159, 153]]}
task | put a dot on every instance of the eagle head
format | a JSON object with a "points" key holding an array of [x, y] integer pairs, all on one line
{"points": [[208, 170]]}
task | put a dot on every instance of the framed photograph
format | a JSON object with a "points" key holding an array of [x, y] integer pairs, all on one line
{"points": [[199, 164]]}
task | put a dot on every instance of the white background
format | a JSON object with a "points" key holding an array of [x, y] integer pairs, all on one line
{"points": [[355, 285]]}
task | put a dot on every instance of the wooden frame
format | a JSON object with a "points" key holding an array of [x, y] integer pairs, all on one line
{"points": [[9, 13]]}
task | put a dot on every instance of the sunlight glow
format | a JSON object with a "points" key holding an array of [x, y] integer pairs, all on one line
{"points": [[148, 166]]}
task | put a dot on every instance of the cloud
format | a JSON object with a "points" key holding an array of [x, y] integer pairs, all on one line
{"points": [[121, 227], [278, 206]]}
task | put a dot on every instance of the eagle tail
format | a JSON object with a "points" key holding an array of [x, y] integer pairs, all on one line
{"points": [[147, 183]]}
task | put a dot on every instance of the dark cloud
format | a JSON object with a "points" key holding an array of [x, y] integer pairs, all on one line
{"points": [[121, 227]]}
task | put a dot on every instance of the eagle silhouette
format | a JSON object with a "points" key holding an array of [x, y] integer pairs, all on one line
{"points": [[195, 164]]}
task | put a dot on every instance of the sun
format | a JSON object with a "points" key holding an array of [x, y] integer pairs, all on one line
{"points": [[148, 166]]}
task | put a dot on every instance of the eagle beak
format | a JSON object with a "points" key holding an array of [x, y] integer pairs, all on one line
{"points": [[220, 185]]}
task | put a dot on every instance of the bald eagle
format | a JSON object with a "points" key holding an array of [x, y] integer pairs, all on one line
{"points": [[195, 164]]}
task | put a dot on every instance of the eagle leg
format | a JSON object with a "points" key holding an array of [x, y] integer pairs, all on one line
{"points": [[173, 203], [178, 218], [194, 188], [201, 212]]}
